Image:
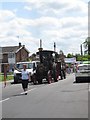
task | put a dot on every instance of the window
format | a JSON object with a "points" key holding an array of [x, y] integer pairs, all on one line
{"points": [[29, 65], [11, 55], [84, 67]]}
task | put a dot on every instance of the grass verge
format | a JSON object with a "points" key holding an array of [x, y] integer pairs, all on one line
{"points": [[9, 77]]}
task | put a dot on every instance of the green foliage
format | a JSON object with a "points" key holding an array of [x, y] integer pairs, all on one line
{"points": [[9, 77], [32, 57], [79, 57], [70, 55], [82, 58]]}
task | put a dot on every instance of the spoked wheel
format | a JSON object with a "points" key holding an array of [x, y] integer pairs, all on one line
{"points": [[34, 79]]}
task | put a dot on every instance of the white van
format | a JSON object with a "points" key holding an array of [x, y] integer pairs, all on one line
{"points": [[31, 68], [83, 73]]}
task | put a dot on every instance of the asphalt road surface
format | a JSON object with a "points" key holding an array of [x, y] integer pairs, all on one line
{"points": [[62, 99]]}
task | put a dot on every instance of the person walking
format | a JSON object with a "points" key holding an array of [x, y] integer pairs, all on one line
{"points": [[25, 77]]}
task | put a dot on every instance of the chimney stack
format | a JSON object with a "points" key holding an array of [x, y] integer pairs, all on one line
{"points": [[20, 44], [24, 46]]}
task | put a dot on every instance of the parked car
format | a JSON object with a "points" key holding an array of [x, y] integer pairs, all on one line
{"points": [[83, 73], [31, 67]]}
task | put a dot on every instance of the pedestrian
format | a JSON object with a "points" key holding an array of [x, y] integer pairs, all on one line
{"points": [[63, 69], [25, 78]]}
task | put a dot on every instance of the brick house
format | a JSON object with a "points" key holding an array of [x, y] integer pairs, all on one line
{"points": [[14, 54]]}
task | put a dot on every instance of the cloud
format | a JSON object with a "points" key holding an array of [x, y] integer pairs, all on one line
{"points": [[6, 15], [27, 8], [60, 8], [11, 25], [64, 22]]}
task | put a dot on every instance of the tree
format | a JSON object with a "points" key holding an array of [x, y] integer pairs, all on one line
{"points": [[82, 57], [70, 55], [78, 57], [33, 56], [61, 56]]}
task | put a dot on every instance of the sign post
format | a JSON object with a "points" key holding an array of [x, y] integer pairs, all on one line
{"points": [[5, 74]]}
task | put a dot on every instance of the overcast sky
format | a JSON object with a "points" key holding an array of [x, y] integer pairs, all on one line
{"points": [[62, 21]]}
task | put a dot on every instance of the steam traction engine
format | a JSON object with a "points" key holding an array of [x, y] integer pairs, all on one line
{"points": [[49, 67]]}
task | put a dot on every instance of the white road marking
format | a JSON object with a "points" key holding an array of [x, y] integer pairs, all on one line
{"points": [[28, 90], [4, 100], [20, 93]]}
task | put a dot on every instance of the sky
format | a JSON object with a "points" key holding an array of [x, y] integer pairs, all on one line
{"points": [[27, 21]]}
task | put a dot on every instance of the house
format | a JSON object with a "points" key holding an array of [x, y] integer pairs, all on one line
{"points": [[14, 54]]}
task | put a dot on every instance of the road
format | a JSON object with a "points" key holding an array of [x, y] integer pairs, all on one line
{"points": [[63, 99]]}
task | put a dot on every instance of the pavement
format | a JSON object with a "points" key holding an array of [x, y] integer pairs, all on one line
{"points": [[89, 87]]}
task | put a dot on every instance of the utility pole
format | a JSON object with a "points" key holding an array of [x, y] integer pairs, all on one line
{"points": [[81, 50]]}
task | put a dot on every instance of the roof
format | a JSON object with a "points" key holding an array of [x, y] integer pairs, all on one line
{"points": [[9, 49], [27, 62], [21, 48], [47, 51], [23, 62], [14, 49]]}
